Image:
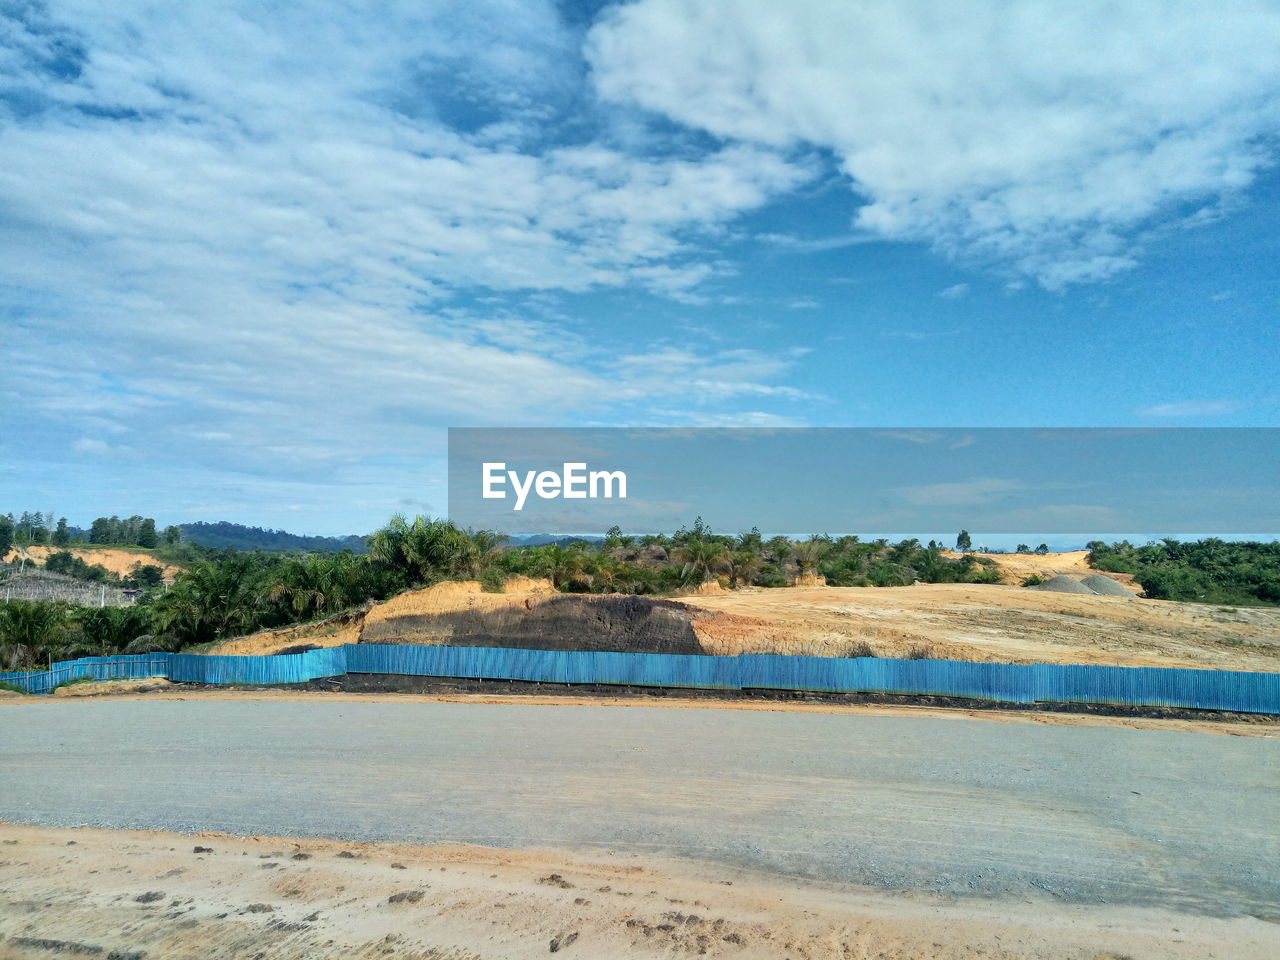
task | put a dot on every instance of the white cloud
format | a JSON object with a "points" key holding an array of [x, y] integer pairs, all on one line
{"points": [[259, 239], [1041, 137], [954, 292], [1190, 408]]}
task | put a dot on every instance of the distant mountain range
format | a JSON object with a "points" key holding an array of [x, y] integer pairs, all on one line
{"points": [[222, 534]]}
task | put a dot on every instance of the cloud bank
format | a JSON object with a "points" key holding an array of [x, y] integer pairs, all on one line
{"points": [[1040, 137]]}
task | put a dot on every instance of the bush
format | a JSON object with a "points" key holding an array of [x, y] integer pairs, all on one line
{"points": [[1034, 580], [11, 687], [921, 651], [985, 575]]}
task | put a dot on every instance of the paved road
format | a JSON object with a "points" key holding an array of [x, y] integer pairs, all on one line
{"points": [[1087, 814]]}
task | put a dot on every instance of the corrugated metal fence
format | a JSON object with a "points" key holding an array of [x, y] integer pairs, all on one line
{"points": [[1014, 683], [120, 667]]}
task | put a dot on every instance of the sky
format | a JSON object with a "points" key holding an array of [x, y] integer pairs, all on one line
{"points": [[255, 259]]}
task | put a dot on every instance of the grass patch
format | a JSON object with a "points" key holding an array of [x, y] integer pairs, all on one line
{"points": [[12, 687], [73, 682]]}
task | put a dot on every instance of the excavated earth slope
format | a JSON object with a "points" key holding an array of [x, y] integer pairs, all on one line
{"points": [[958, 621]]}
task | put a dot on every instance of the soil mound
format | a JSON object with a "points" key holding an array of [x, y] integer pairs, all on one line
{"points": [[609, 622], [1106, 586], [1062, 584]]}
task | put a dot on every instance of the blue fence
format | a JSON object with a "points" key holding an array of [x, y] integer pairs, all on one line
{"points": [[1011, 683], [120, 667]]}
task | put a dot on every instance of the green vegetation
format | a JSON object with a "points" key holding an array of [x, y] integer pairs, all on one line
{"points": [[225, 593], [225, 535], [1204, 571]]}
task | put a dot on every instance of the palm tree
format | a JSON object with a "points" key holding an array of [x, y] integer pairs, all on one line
{"points": [[30, 632], [743, 566], [807, 553], [700, 557], [211, 600], [427, 549], [108, 630], [558, 564], [485, 547]]}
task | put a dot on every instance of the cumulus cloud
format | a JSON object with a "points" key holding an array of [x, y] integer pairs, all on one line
{"points": [[289, 241], [1040, 137]]}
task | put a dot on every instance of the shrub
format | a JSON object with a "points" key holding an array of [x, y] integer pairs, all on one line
{"points": [[1034, 580], [985, 575], [921, 651]]}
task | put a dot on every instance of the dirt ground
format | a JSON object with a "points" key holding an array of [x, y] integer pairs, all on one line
{"points": [[1016, 567], [979, 622], [1249, 726], [153, 894], [120, 562], [992, 623]]}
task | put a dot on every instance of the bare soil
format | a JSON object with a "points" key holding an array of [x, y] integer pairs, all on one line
{"points": [[154, 894], [979, 622], [375, 688], [120, 562]]}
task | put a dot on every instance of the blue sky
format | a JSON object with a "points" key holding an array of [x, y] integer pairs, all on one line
{"points": [[253, 262]]}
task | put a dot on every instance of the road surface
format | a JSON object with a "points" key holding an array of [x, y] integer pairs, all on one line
{"points": [[1086, 814]]}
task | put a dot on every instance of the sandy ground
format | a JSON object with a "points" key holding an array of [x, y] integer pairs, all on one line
{"points": [[977, 622], [119, 562], [163, 895], [159, 689], [989, 622], [98, 688], [1016, 567]]}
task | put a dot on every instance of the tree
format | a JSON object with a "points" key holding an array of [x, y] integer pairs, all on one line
{"points": [[751, 542], [30, 632], [211, 600], [145, 575], [808, 552], [700, 559], [558, 564], [61, 535], [1042, 549], [108, 630], [743, 565], [147, 533], [964, 542], [427, 549], [172, 536], [1022, 548], [6, 536]]}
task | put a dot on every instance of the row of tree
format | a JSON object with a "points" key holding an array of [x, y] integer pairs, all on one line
{"points": [[39, 529], [235, 593], [1237, 572], [232, 593]]}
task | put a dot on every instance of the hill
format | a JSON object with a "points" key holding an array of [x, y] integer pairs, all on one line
{"points": [[117, 560], [964, 621], [222, 535]]}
